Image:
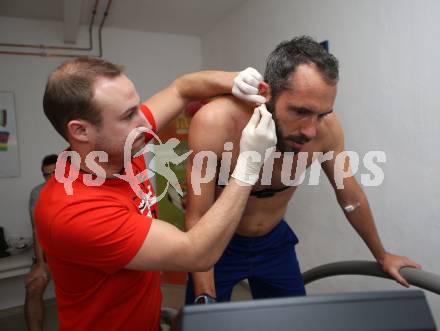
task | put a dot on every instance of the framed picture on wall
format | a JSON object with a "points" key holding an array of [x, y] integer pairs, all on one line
{"points": [[9, 161]]}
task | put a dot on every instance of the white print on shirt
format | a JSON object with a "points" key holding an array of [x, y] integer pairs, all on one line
{"points": [[148, 201]]}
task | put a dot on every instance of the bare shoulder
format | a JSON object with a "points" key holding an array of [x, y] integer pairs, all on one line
{"points": [[331, 133], [218, 121], [222, 112]]}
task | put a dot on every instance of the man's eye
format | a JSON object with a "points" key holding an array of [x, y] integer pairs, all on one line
{"points": [[302, 112], [320, 117]]}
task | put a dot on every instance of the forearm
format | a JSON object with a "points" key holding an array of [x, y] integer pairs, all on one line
{"points": [[170, 102], [204, 281], [204, 84], [361, 218], [38, 251], [39, 254], [34, 239], [213, 232]]}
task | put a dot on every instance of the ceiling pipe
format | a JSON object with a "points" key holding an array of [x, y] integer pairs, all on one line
{"points": [[45, 54], [63, 47], [107, 9]]}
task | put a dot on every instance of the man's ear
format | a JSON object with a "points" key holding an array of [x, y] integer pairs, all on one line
{"points": [[79, 130], [264, 90]]}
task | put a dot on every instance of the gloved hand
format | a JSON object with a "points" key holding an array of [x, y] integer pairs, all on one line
{"points": [[246, 85], [257, 142]]}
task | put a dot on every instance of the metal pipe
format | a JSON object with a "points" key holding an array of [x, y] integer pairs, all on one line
{"points": [[44, 54], [101, 25], [420, 278], [62, 47]]}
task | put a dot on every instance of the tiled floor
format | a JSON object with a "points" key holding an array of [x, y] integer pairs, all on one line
{"points": [[13, 319]]}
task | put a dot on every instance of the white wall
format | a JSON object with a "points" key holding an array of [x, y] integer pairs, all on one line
{"points": [[388, 100], [151, 60]]}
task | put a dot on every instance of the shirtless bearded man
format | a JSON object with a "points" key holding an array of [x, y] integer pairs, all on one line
{"points": [[300, 87]]}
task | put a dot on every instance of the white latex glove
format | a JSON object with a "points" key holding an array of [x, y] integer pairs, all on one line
{"points": [[257, 143], [246, 85]]}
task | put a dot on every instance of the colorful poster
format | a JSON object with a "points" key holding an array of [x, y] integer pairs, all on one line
{"points": [[171, 206], [171, 156], [9, 161]]}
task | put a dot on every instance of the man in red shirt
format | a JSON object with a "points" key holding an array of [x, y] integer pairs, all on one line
{"points": [[102, 242]]}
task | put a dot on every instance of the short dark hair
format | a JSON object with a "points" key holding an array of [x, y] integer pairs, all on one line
{"points": [[288, 55], [69, 91], [49, 160]]}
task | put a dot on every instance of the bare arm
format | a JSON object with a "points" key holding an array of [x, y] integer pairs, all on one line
{"points": [[355, 206], [199, 248], [39, 269], [38, 251], [168, 103], [351, 194], [198, 204], [167, 248]]}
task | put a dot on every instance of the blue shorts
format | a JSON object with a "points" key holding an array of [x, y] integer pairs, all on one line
{"points": [[268, 262]]}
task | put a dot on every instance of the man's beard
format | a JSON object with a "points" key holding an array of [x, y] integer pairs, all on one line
{"points": [[282, 144], [114, 151]]}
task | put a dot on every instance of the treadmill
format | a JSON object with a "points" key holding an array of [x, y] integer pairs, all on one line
{"points": [[370, 311]]}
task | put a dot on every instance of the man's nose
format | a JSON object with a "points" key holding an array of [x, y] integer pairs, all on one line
{"points": [[310, 127]]}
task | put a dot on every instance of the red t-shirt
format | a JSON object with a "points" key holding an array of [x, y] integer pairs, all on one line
{"points": [[88, 238]]}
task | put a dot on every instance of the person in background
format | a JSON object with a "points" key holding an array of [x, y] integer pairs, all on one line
{"points": [[39, 276]]}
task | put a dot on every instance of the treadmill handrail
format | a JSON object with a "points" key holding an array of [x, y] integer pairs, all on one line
{"points": [[420, 278]]}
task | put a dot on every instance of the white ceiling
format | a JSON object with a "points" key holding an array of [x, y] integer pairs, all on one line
{"points": [[192, 17]]}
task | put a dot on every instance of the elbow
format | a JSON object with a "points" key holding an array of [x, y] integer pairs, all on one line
{"points": [[353, 200], [179, 85], [196, 264], [202, 266], [197, 268], [198, 260], [203, 261]]}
